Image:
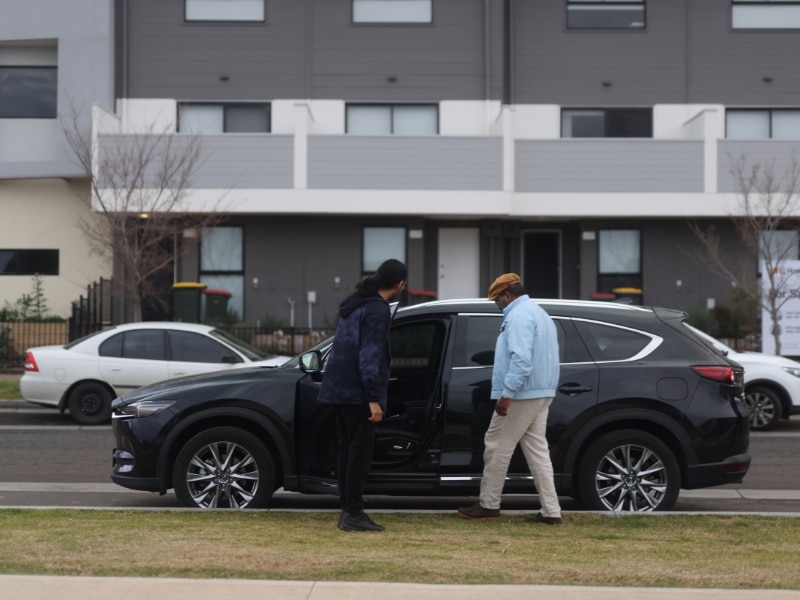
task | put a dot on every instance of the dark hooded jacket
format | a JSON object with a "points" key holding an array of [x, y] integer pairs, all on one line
{"points": [[357, 369]]}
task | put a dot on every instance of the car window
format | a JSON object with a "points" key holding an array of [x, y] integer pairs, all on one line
{"points": [[112, 346], [416, 345], [481, 336], [186, 346], [610, 343], [143, 344]]}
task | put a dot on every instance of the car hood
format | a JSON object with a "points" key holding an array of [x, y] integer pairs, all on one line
{"points": [[228, 379]]}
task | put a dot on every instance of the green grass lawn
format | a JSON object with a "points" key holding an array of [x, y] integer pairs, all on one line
{"points": [[9, 389], [589, 549]]}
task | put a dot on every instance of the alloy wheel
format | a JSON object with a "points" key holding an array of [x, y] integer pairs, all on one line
{"points": [[222, 475], [631, 477]]}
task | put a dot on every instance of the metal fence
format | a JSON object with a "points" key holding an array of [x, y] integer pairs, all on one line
{"points": [[17, 336]]}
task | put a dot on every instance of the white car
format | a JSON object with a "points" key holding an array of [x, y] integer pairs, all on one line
{"points": [[771, 384], [86, 375]]}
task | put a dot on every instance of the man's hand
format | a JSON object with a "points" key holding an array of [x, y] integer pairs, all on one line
{"points": [[501, 408], [376, 412]]}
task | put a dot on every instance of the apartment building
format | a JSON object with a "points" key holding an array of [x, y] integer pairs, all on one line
{"points": [[568, 140], [56, 60]]}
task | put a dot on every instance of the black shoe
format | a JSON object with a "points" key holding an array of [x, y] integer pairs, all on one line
{"points": [[476, 511], [360, 523], [540, 518]]}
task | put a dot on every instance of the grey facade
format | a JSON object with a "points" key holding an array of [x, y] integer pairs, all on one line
{"points": [[499, 174]]}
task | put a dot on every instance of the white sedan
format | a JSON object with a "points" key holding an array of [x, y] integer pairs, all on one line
{"points": [[86, 375], [771, 384]]}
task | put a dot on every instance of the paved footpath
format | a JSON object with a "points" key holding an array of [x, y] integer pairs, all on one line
{"points": [[23, 587]]}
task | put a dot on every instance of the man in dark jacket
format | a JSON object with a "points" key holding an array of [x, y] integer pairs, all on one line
{"points": [[355, 382]]}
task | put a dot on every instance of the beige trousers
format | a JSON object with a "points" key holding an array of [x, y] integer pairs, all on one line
{"points": [[525, 424]]}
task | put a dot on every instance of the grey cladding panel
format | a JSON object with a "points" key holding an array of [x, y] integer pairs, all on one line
{"points": [[366, 162], [767, 157], [609, 166], [225, 161]]}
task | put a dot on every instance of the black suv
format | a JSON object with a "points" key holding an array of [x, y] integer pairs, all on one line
{"points": [[643, 408]]}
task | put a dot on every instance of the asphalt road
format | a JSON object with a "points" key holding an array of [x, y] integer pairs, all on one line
{"points": [[48, 460]]}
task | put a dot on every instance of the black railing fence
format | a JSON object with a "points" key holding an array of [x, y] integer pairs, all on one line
{"points": [[17, 336]]}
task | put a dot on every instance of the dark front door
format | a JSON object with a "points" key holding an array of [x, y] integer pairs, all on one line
{"points": [[541, 260]]}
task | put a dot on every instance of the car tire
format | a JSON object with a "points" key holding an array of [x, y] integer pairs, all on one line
{"points": [[629, 471], [90, 404], [224, 467], [765, 408]]}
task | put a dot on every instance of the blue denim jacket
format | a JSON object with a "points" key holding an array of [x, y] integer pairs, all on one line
{"points": [[526, 359]]}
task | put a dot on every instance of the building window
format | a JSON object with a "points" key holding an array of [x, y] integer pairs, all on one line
{"points": [[28, 92], [765, 14], [224, 118], [222, 264], [619, 259], [392, 11], [225, 10], [763, 124], [393, 119], [607, 123], [605, 14], [28, 262], [779, 244], [380, 244]]}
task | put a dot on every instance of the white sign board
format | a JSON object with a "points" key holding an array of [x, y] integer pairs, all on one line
{"points": [[787, 281]]}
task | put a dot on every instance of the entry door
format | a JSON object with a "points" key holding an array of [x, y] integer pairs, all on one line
{"points": [[459, 263], [541, 260]]}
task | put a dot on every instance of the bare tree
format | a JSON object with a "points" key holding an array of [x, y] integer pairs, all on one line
{"points": [[767, 208], [139, 184]]}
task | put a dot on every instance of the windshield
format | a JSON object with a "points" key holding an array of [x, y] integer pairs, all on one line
{"points": [[249, 351]]}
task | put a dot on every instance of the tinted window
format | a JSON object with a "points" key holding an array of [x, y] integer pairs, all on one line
{"points": [[481, 337], [112, 346], [147, 344], [186, 346], [415, 345], [28, 92], [28, 262], [606, 343]]}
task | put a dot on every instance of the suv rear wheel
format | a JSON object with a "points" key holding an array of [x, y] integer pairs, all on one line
{"points": [[629, 470], [224, 467]]}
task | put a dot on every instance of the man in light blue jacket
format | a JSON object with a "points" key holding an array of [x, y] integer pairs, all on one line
{"points": [[524, 380]]}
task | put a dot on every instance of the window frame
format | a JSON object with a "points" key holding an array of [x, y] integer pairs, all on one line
{"points": [[765, 4], [365, 270], [196, 21], [392, 106], [221, 272], [608, 115], [607, 281], [225, 106], [770, 112], [612, 5], [353, 20]]}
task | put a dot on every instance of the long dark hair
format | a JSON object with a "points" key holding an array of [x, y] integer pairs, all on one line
{"points": [[389, 274]]}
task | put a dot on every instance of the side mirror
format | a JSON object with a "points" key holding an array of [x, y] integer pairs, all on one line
{"points": [[311, 363]]}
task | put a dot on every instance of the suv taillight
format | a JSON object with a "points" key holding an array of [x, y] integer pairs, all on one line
{"points": [[729, 375], [30, 362]]}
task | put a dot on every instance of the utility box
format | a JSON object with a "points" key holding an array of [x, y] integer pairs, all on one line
{"points": [[186, 300]]}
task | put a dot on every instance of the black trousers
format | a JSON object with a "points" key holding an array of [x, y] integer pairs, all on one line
{"points": [[356, 443]]}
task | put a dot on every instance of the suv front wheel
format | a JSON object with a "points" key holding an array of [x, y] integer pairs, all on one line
{"points": [[629, 470], [224, 467]]}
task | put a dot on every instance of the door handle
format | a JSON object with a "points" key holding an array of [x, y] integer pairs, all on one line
{"points": [[573, 389]]}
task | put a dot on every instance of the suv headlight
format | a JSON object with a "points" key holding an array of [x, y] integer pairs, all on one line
{"points": [[143, 407], [792, 371]]}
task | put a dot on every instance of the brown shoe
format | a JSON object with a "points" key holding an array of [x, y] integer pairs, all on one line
{"points": [[476, 511], [540, 518]]}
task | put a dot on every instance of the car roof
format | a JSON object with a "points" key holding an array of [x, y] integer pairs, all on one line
{"points": [[177, 325], [555, 307]]}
